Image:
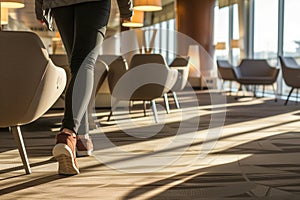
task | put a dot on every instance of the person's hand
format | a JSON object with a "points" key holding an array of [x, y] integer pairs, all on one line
{"points": [[41, 21]]}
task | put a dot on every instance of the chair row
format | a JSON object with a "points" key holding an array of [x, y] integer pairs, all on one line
{"points": [[250, 72], [32, 83], [259, 72], [163, 79]]}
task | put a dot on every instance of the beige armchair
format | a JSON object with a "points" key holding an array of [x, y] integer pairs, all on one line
{"points": [[256, 72], [148, 78], [29, 83], [290, 73]]}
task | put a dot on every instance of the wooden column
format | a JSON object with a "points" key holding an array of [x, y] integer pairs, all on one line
{"points": [[195, 18]]}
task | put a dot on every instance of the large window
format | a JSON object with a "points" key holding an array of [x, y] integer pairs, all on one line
{"points": [[270, 28], [222, 32], [291, 34], [235, 25], [235, 40], [266, 29], [291, 41], [164, 42]]}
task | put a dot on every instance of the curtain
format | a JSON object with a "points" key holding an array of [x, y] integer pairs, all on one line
{"points": [[224, 3], [167, 13]]}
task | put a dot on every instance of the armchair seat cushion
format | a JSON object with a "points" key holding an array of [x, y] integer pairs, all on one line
{"points": [[256, 80]]}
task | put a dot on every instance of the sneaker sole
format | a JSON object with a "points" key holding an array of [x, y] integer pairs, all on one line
{"points": [[65, 158], [84, 153]]}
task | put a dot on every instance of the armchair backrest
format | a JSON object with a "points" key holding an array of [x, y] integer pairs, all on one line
{"points": [[155, 66], [290, 71], [180, 61], [116, 69], [142, 59], [224, 64], [25, 76], [288, 62], [145, 71], [225, 69], [257, 68]]}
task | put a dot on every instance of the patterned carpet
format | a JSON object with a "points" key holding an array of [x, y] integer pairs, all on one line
{"points": [[214, 147]]}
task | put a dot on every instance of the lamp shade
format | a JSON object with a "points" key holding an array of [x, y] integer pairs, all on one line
{"points": [[137, 19], [221, 46], [4, 16], [147, 5], [224, 3], [194, 62], [12, 3], [235, 44]]}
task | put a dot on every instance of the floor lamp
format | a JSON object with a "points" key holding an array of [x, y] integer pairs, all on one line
{"points": [[235, 46], [221, 46], [4, 16], [5, 5], [194, 66]]}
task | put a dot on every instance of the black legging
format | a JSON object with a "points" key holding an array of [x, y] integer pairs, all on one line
{"points": [[82, 27]]}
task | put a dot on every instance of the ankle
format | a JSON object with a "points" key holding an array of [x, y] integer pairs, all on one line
{"points": [[83, 136], [66, 130]]}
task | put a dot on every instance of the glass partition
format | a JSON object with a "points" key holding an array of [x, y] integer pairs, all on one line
{"points": [[222, 32], [291, 35], [291, 38], [266, 30]]}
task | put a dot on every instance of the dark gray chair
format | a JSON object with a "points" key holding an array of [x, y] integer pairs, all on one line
{"points": [[256, 72], [226, 73], [290, 73]]}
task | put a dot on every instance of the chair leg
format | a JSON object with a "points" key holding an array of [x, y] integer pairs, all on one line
{"points": [[167, 103], [154, 111], [275, 93], [223, 87], [237, 94], [111, 109], [176, 100], [230, 86], [297, 96], [16, 131], [288, 96], [109, 116], [130, 106], [145, 107]]}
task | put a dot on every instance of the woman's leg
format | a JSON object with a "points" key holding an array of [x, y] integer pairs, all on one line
{"points": [[88, 27], [90, 20], [64, 19]]}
